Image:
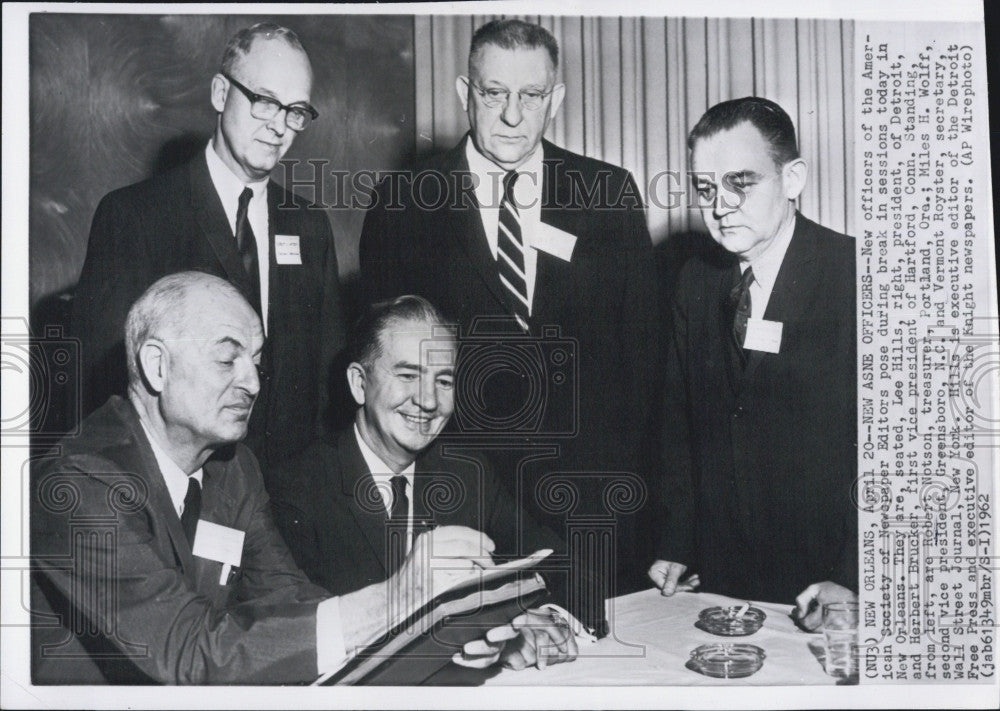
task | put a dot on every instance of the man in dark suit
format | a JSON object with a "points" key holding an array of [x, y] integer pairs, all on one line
{"points": [[759, 451], [154, 555], [220, 214], [544, 260], [349, 511]]}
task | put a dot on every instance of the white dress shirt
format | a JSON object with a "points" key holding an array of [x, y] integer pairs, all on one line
{"points": [[173, 476], [765, 268], [527, 196], [229, 188], [382, 474]]}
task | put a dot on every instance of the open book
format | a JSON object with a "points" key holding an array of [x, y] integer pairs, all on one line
{"points": [[425, 642]]}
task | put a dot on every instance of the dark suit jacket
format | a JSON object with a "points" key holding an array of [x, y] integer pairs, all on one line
{"points": [[335, 522], [175, 222], [759, 464], [596, 375], [118, 595]]}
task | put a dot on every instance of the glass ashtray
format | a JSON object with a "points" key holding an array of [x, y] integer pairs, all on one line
{"points": [[727, 661], [724, 621]]}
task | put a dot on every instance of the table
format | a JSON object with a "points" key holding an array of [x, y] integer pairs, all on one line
{"points": [[651, 640]]}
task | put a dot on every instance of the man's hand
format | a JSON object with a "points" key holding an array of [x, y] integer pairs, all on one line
{"points": [[808, 612], [666, 576], [439, 559], [536, 638]]}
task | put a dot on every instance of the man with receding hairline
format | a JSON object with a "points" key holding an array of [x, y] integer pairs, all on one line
{"points": [[154, 556], [759, 451], [220, 213]]}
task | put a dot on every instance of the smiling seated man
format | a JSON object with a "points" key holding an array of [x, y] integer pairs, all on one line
{"points": [[154, 556], [352, 509]]}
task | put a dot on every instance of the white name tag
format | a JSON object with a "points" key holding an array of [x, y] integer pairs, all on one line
{"points": [[763, 335], [219, 543], [286, 249], [554, 241]]}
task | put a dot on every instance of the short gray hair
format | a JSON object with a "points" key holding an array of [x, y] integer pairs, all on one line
{"points": [[161, 311], [240, 43]]}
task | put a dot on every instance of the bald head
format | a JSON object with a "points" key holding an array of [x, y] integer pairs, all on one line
{"points": [[169, 308]]}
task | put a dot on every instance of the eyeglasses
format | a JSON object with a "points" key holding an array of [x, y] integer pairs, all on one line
{"points": [[265, 108], [493, 97]]}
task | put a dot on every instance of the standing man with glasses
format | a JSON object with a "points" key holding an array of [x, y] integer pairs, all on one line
{"points": [[544, 260], [220, 214], [760, 447]]}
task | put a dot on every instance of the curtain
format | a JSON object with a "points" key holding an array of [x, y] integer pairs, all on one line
{"points": [[636, 86]]}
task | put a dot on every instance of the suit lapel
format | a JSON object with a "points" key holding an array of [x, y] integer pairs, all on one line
{"points": [[553, 276], [794, 285], [467, 228], [364, 501], [211, 218], [141, 461], [734, 369]]}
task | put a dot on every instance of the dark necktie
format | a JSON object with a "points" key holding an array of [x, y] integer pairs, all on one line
{"points": [[398, 522], [247, 244], [510, 252], [192, 509], [739, 297]]}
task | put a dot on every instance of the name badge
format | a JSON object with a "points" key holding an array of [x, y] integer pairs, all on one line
{"points": [[219, 543], [286, 249], [554, 241], [763, 335]]}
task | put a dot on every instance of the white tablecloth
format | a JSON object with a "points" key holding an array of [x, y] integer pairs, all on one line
{"points": [[651, 640]]}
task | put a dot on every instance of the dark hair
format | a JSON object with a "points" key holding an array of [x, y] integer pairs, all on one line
{"points": [[513, 34], [364, 340], [764, 115], [240, 43]]}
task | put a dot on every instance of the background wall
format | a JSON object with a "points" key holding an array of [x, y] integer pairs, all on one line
{"points": [[115, 98]]}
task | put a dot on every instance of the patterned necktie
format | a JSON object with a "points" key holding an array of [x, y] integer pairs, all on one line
{"points": [[510, 252], [247, 244], [739, 297], [398, 522], [192, 509]]}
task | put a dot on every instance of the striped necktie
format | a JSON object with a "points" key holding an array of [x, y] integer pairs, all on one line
{"points": [[510, 253], [740, 299]]}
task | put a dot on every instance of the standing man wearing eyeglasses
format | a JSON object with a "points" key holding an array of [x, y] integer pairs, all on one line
{"points": [[544, 259], [219, 213], [760, 446]]}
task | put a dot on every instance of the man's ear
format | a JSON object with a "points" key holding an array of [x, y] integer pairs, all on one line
{"points": [[558, 94], [153, 360], [793, 178], [462, 89], [220, 88], [356, 381]]}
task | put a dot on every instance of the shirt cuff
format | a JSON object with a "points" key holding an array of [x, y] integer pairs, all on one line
{"points": [[331, 653]]}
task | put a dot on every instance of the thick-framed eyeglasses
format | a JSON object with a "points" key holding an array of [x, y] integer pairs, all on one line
{"points": [[494, 97], [265, 108]]}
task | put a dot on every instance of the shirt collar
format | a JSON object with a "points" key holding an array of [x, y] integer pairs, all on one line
{"points": [[378, 468], [173, 476], [767, 264], [489, 186], [226, 183]]}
